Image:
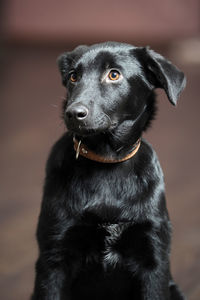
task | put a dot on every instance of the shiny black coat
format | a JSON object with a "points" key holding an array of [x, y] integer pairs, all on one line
{"points": [[104, 230]]}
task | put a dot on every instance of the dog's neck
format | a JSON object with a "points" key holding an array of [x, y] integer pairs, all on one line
{"points": [[84, 151]]}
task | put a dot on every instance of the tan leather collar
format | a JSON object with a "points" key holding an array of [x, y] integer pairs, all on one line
{"points": [[83, 150]]}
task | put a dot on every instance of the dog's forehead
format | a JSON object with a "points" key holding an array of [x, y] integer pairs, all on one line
{"points": [[107, 56]]}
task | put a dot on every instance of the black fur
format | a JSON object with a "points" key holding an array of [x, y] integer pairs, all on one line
{"points": [[104, 230]]}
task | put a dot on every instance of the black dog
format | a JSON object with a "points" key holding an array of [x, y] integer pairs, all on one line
{"points": [[104, 230]]}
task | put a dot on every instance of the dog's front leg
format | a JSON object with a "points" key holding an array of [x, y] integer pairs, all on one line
{"points": [[155, 286], [149, 259], [52, 281], [49, 280]]}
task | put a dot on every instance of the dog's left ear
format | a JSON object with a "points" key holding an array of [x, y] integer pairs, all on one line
{"points": [[166, 75], [66, 59]]}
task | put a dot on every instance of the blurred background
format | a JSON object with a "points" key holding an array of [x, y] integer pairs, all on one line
{"points": [[32, 35]]}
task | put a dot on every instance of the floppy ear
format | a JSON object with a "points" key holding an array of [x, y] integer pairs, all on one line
{"points": [[64, 63], [66, 59], [166, 75]]}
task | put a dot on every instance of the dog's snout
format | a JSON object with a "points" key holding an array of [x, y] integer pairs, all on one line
{"points": [[78, 112]]}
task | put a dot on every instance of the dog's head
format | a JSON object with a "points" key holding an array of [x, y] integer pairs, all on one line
{"points": [[112, 84]]}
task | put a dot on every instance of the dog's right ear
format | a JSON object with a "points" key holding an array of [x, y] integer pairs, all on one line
{"points": [[65, 61]]}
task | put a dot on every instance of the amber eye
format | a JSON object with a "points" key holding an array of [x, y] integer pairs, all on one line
{"points": [[73, 76], [114, 75]]}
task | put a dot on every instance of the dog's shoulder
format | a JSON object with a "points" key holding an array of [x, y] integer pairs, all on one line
{"points": [[148, 162], [147, 148], [57, 175], [61, 152]]}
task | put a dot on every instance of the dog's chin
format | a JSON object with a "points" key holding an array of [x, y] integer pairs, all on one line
{"points": [[88, 131]]}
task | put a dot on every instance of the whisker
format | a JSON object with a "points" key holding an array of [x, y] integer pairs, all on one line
{"points": [[63, 98], [119, 149], [108, 118], [54, 105], [60, 123]]}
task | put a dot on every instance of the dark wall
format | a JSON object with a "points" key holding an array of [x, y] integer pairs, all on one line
{"points": [[90, 20]]}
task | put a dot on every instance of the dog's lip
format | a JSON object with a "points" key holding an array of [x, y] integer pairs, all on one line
{"points": [[87, 131]]}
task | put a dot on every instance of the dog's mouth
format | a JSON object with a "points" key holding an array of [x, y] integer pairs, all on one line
{"points": [[86, 131], [89, 128]]}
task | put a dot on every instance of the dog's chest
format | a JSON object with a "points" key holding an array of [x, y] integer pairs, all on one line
{"points": [[111, 245], [95, 242], [110, 255]]}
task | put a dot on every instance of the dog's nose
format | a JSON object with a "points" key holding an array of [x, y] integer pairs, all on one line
{"points": [[78, 112]]}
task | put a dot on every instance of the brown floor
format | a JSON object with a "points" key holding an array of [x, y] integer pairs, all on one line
{"points": [[31, 96]]}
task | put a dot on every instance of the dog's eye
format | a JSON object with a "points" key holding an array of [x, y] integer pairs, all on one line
{"points": [[73, 76], [114, 75]]}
